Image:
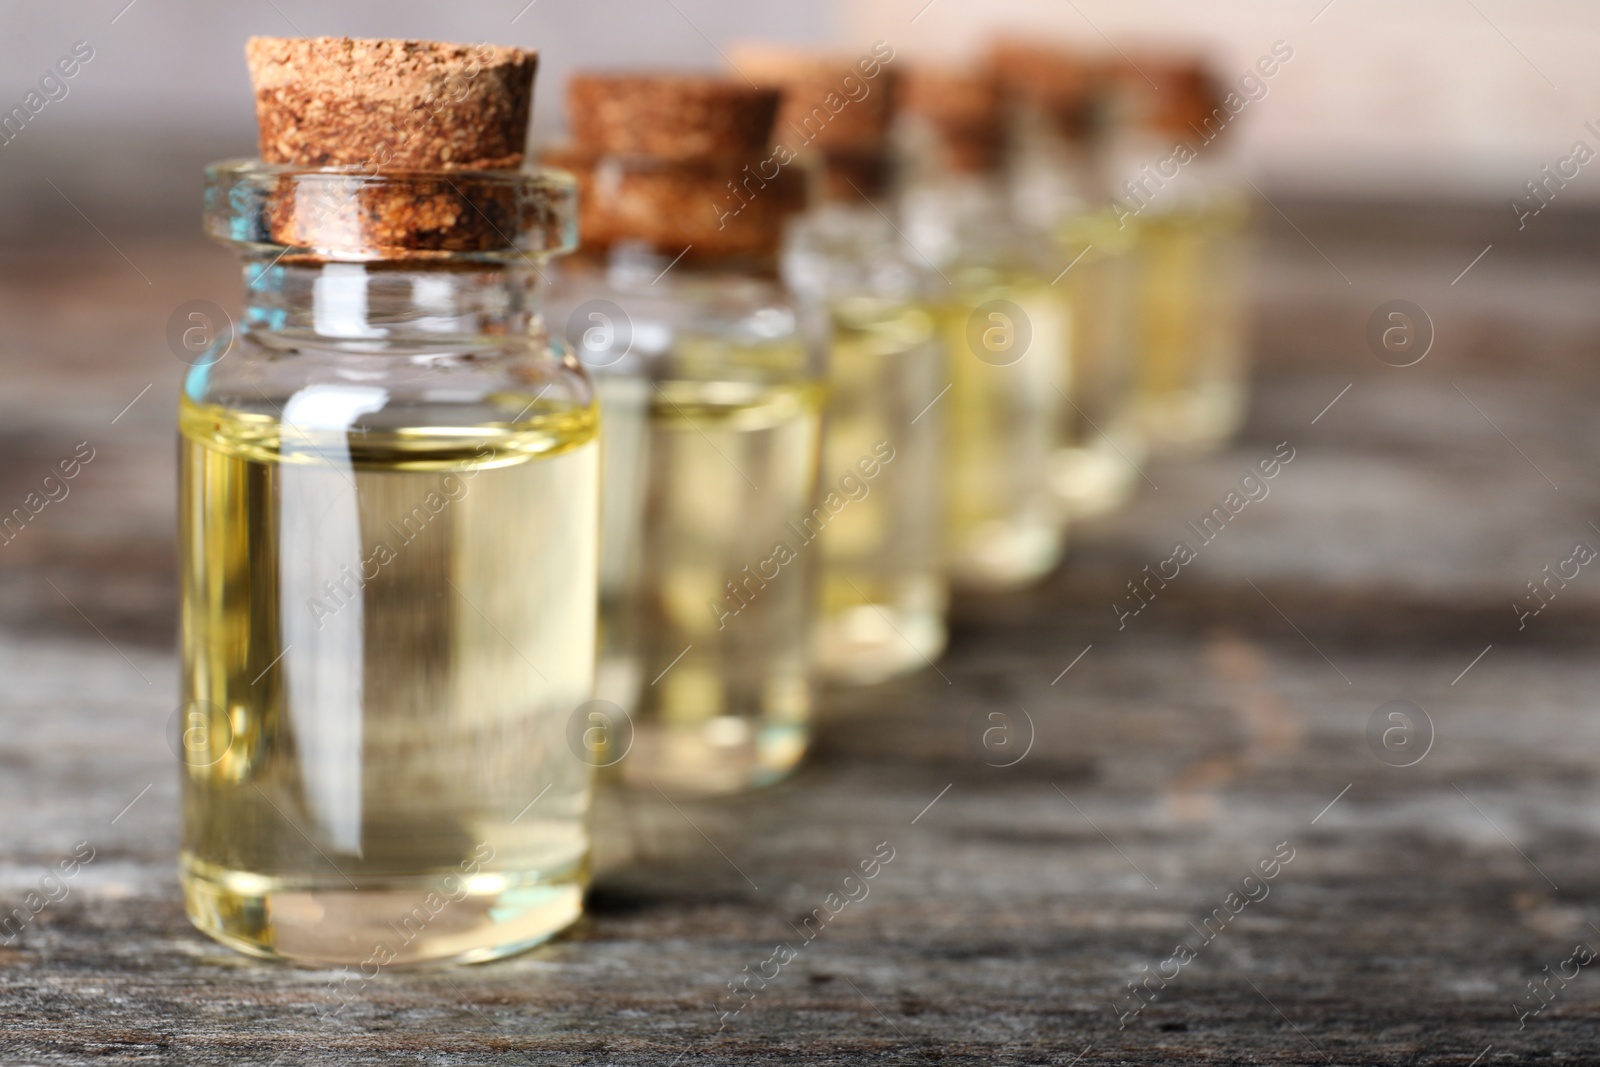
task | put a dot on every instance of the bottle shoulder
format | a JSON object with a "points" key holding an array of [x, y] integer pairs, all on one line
{"points": [[698, 325], [431, 406]]}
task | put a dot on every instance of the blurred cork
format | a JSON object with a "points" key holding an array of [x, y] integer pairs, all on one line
{"points": [[1063, 85], [669, 116], [829, 101], [679, 162], [1171, 93], [963, 108]]}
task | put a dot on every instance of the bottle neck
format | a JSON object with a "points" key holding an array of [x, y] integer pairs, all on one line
{"points": [[850, 250], [1161, 170], [404, 304]]}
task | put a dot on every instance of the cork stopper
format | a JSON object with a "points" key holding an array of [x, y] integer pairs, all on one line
{"points": [[1060, 84], [848, 176], [835, 108], [400, 117], [412, 105], [682, 163], [829, 102], [1171, 93], [669, 116], [963, 108]]}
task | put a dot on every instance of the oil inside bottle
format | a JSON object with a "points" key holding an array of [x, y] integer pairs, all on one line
{"points": [[716, 606], [1097, 463], [1006, 336], [385, 631], [1192, 358], [883, 591]]}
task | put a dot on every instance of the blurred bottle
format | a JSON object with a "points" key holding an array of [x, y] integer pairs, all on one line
{"points": [[711, 413], [883, 588], [1057, 181], [1175, 187], [1005, 330]]}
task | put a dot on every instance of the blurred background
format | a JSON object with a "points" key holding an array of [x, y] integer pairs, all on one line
{"points": [[1463, 99]]}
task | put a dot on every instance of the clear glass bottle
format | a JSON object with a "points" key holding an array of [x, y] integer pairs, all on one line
{"points": [[884, 593], [1057, 185], [1102, 447], [1175, 189], [1006, 331], [388, 512], [712, 399]]}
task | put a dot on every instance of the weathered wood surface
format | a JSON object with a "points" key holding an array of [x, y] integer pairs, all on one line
{"points": [[1175, 754]]}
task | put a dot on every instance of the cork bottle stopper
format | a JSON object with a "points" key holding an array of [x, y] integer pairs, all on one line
{"points": [[836, 107], [1059, 83], [395, 113], [669, 116], [1170, 93], [828, 101], [963, 107], [411, 105], [678, 162]]}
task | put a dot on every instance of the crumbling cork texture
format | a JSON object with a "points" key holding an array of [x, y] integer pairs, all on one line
{"points": [[388, 109], [391, 104]]}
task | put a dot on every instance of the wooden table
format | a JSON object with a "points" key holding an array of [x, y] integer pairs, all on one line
{"points": [[1226, 724]]}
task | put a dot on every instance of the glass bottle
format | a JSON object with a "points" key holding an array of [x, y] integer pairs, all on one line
{"points": [[388, 512], [1175, 190], [884, 595], [712, 399], [1006, 332], [1056, 125]]}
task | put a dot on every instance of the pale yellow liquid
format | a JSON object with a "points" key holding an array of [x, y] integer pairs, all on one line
{"points": [[1192, 350], [379, 772], [625, 400], [1097, 462], [1002, 425], [724, 688], [883, 589]]}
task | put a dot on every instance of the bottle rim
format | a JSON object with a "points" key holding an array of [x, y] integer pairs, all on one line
{"points": [[356, 214]]}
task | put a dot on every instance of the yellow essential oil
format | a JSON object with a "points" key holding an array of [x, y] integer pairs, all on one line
{"points": [[384, 632], [724, 592], [883, 590], [1191, 381], [625, 402], [1096, 466], [1007, 335], [709, 528]]}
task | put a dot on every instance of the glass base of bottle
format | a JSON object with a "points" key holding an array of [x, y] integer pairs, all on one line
{"points": [[999, 556], [388, 922], [868, 643], [726, 754], [1094, 479], [1193, 420]]}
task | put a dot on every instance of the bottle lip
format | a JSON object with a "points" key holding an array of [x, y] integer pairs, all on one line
{"points": [[351, 213]]}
